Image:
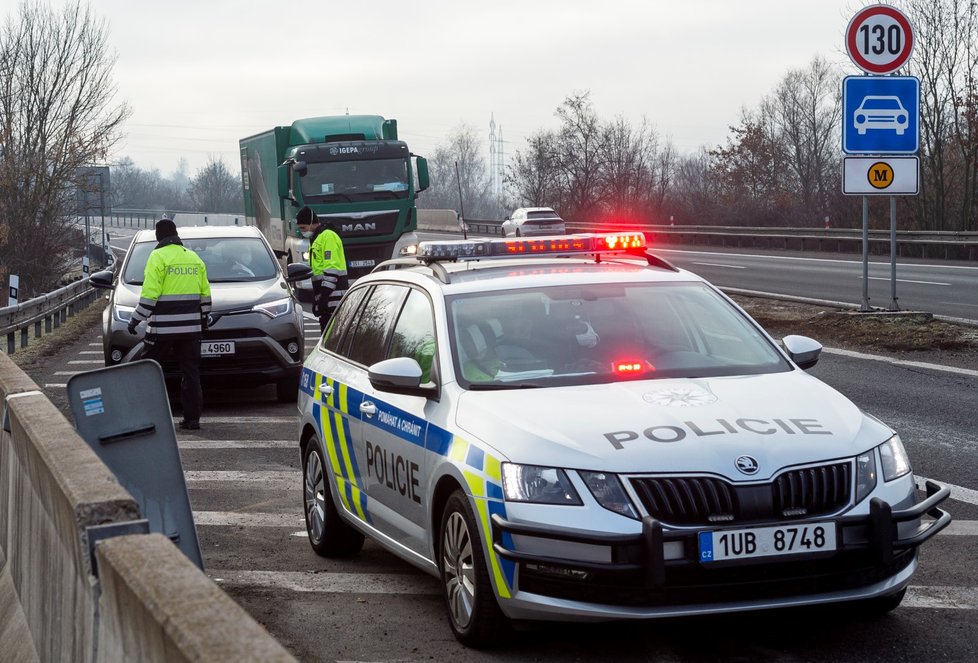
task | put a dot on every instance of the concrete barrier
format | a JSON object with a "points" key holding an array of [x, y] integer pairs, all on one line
{"points": [[53, 488]]}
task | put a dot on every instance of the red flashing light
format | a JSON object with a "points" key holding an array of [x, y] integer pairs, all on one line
{"points": [[631, 367], [550, 245], [620, 241]]}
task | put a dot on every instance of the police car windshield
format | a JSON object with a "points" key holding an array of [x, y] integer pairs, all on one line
{"points": [[350, 181], [228, 259], [550, 336]]}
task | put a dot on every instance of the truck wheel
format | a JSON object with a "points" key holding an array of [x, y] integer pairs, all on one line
{"points": [[329, 536], [473, 613]]}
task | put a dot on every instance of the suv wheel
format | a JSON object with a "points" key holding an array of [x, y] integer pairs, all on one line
{"points": [[329, 536]]}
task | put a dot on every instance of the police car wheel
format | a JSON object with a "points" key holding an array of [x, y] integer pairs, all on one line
{"points": [[329, 536], [473, 613]]}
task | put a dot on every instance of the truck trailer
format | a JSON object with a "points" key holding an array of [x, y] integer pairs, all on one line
{"points": [[348, 169]]}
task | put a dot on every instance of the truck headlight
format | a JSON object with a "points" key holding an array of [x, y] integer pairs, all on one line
{"points": [[123, 313], [542, 485], [865, 474], [893, 458], [607, 490], [274, 309]]}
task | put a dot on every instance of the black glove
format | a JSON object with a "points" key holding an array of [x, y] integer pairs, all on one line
{"points": [[315, 308], [132, 326]]}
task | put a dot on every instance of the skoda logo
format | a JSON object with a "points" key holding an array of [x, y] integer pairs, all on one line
{"points": [[747, 465]]}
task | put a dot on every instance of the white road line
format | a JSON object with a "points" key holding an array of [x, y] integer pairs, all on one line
{"points": [[67, 372], [953, 598], [94, 344], [281, 481], [86, 361], [238, 444], [959, 493], [886, 278], [245, 420], [904, 265], [961, 528], [231, 518], [716, 264], [902, 362], [90, 352], [332, 583], [56, 385]]}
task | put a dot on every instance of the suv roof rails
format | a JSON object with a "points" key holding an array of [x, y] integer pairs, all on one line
{"points": [[396, 263]]}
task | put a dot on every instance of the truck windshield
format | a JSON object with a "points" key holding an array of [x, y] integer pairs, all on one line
{"points": [[353, 181]]}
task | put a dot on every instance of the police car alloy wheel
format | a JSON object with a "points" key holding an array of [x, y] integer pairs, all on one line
{"points": [[329, 536], [472, 609]]}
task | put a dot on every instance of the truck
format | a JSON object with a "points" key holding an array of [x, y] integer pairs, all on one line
{"points": [[348, 169]]}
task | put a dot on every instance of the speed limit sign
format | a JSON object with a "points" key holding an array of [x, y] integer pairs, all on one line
{"points": [[879, 39]]}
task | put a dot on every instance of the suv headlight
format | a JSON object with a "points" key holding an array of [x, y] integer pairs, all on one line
{"points": [[274, 309], [607, 490], [542, 485], [123, 313], [894, 459]]}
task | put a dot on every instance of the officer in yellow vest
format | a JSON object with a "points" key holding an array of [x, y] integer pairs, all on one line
{"points": [[328, 263], [175, 301]]}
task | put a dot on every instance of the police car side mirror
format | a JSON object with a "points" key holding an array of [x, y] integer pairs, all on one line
{"points": [[298, 271], [400, 375], [101, 280], [803, 351]]}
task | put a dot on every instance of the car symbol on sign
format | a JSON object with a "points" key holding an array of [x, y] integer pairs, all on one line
{"points": [[881, 112]]}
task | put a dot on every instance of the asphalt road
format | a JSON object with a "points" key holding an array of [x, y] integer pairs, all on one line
{"points": [[244, 480]]}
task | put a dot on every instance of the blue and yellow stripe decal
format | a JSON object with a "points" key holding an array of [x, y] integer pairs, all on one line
{"points": [[481, 470]]}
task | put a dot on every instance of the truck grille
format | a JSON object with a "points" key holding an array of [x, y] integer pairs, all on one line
{"points": [[801, 493]]}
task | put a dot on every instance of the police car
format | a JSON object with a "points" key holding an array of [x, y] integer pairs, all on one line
{"points": [[572, 428]]}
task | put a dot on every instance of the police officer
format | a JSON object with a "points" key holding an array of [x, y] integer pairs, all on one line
{"points": [[328, 263], [175, 300]]}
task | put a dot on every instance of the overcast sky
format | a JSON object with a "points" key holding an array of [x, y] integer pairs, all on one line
{"points": [[200, 74]]}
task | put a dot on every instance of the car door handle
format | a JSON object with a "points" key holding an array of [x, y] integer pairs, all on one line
{"points": [[326, 390], [368, 408]]}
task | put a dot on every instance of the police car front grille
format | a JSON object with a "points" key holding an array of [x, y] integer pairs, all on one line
{"points": [[801, 493], [813, 490]]}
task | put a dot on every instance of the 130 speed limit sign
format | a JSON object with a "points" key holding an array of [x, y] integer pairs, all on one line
{"points": [[879, 39]]}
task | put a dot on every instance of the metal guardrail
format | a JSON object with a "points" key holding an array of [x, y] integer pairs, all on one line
{"points": [[49, 311], [910, 243]]}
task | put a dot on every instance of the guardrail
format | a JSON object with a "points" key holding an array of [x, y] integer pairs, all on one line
{"points": [[910, 243], [49, 311]]}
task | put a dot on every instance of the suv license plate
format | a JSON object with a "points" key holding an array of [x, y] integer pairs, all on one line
{"points": [[216, 348], [754, 542]]}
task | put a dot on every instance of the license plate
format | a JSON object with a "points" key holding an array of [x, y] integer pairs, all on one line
{"points": [[216, 348], [361, 263], [754, 542]]}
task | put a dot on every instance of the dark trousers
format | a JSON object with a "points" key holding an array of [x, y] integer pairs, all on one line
{"points": [[187, 353]]}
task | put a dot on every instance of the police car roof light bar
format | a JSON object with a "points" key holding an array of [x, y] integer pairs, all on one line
{"points": [[562, 245]]}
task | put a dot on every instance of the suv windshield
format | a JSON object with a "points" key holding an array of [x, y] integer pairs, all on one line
{"points": [[228, 259], [599, 333], [348, 181]]}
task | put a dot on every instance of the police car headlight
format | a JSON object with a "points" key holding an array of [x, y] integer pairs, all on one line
{"points": [[865, 474], [542, 485], [894, 459], [123, 313], [274, 309], [607, 490]]}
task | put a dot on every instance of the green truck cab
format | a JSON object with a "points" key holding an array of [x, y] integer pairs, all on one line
{"points": [[350, 169]]}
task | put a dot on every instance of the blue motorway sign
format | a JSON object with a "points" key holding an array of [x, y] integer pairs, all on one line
{"points": [[880, 114]]}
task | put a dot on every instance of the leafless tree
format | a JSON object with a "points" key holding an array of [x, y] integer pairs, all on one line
{"points": [[57, 114], [579, 151], [465, 149], [215, 189], [533, 178]]}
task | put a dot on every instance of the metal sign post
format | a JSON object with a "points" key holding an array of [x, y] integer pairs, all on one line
{"points": [[865, 306]]}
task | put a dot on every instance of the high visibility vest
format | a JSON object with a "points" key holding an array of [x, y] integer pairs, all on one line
{"points": [[328, 263], [176, 295]]}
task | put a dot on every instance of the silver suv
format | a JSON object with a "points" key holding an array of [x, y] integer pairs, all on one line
{"points": [[255, 330], [533, 221]]}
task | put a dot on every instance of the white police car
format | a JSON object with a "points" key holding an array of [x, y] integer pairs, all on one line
{"points": [[571, 428]]}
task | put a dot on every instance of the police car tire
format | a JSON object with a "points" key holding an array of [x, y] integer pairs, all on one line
{"points": [[338, 538], [487, 620]]}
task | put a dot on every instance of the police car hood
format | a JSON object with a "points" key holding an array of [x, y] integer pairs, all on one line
{"points": [[675, 425]]}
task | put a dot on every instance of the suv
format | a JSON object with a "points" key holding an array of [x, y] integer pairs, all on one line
{"points": [[572, 428], [255, 332], [532, 221]]}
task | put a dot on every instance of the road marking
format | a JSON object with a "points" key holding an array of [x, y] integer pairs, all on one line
{"points": [[948, 598], [67, 372], [961, 528], [90, 352], [56, 385], [239, 519], [904, 265], [86, 361], [716, 264], [886, 278], [95, 344], [332, 583], [268, 480], [902, 362], [959, 493], [245, 420], [238, 444]]}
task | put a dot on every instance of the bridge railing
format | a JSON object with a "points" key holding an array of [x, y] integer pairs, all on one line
{"points": [[47, 312]]}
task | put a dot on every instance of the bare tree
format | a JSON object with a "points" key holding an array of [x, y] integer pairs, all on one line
{"points": [[56, 115], [580, 155], [533, 178], [465, 149], [215, 189]]}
